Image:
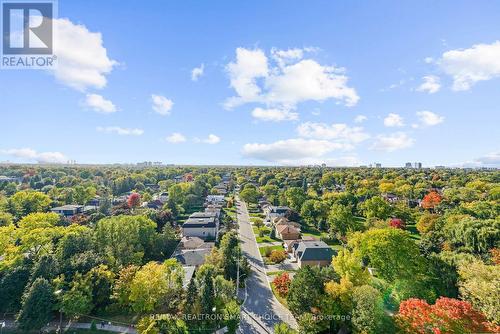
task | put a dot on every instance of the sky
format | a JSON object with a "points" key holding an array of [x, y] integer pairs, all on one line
{"points": [[345, 83]]}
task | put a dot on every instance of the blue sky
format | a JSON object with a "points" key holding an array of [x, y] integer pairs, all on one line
{"points": [[277, 83]]}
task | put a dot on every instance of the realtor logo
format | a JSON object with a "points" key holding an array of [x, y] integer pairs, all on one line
{"points": [[27, 34]]}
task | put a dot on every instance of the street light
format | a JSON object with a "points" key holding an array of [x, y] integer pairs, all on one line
{"points": [[59, 293]]}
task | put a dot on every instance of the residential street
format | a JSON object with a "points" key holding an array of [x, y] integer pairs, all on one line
{"points": [[260, 310]]}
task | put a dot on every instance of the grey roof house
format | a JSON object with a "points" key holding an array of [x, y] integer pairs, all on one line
{"points": [[313, 253]]}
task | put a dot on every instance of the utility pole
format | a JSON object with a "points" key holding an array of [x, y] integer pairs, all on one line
{"points": [[238, 272]]}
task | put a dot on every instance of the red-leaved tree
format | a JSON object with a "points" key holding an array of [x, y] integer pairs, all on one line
{"points": [[134, 200], [431, 200], [397, 223], [282, 284], [447, 315]]}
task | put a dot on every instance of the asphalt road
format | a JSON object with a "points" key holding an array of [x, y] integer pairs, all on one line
{"points": [[260, 310]]}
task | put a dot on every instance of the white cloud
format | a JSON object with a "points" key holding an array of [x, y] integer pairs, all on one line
{"points": [[291, 150], [249, 65], [291, 81], [428, 118], [341, 132], [393, 120], [100, 104], [33, 155], [392, 142], [211, 139], [176, 138], [197, 72], [469, 66], [120, 131], [431, 84], [82, 60], [161, 104], [274, 114], [360, 119], [491, 160]]}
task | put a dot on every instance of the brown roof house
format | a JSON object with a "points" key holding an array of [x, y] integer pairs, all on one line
{"points": [[287, 232]]}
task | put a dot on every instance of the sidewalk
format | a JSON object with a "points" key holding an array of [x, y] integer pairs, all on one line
{"points": [[67, 326]]}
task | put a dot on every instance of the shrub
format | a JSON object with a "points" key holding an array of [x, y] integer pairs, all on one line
{"points": [[277, 256], [282, 284], [267, 251], [397, 223]]}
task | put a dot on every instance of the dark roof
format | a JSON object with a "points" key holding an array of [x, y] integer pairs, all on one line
{"points": [[200, 222], [205, 214], [279, 209], [195, 257], [68, 207], [314, 251]]}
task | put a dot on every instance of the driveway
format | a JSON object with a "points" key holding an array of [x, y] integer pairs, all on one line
{"points": [[260, 310]]}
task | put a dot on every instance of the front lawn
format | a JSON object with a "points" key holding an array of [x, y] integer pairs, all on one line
{"points": [[314, 232], [265, 237], [262, 250]]}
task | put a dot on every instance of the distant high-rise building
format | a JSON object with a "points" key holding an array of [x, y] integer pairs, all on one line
{"points": [[378, 165], [408, 165], [418, 165]]}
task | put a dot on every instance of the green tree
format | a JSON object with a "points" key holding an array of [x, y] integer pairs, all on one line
{"points": [[37, 306], [283, 328], [376, 207], [6, 219], [304, 291], [148, 288], [295, 197], [125, 240], [78, 300], [249, 195], [479, 284], [46, 267], [207, 293], [231, 314], [308, 324], [27, 201], [121, 288], [12, 285], [229, 248], [341, 221], [391, 251], [191, 303], [368, 312]]}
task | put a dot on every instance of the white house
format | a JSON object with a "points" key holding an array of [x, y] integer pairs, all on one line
{"points": [[204, 225]]}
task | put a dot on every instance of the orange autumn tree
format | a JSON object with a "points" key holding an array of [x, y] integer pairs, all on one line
{"points": [[431, 200], [282, 284], [447, 315]]}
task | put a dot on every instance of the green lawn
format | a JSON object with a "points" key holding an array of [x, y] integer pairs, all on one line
{"points": [[279, 272], [336, 247], [265, 237], [262, 250], [314, 232], [255, 219], [412, 228]]}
